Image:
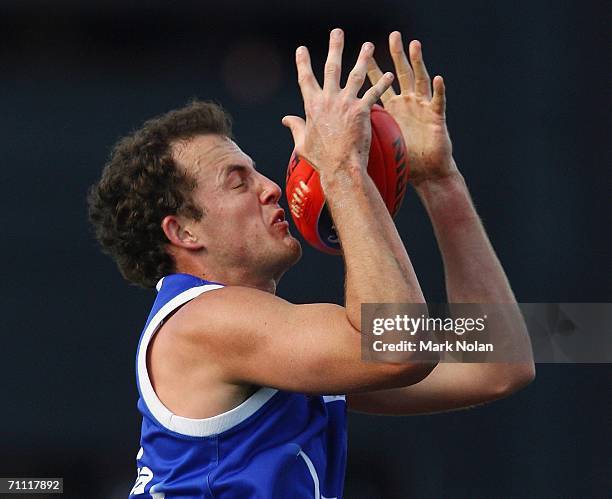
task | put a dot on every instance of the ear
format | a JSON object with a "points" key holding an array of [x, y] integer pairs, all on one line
{"points": [[180, 234]]}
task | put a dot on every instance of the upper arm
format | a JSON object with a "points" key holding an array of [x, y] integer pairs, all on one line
{"points": [[449, 386], [257, 338]]}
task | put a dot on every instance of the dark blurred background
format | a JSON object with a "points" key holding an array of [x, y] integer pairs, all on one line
{"points": [[528, 88]]}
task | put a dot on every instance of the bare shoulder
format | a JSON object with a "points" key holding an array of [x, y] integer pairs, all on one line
{"points": [[229, 310], [250, 312], [185, 359]]}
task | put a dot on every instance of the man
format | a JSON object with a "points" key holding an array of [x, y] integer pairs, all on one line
{"points": [[243, 393]]}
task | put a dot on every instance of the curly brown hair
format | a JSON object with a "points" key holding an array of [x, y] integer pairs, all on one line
{"points": [[141, 184]]}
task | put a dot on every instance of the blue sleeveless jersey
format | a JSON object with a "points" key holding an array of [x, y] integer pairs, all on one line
{"points": [[275, 445]]}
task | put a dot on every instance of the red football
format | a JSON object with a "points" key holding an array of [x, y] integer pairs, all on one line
{"points": [[387, 166]]}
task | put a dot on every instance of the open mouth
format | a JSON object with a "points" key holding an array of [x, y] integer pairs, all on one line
{"points": [[279, 217]]}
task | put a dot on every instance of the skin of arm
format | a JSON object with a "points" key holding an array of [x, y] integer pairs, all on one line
{"points": [[473, 272], [252, 337]]}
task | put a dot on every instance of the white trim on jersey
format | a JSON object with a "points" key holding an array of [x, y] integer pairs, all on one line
{"points": [[333, 398], [313, 473], [178, 424]]}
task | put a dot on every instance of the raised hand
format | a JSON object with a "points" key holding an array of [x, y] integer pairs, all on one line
{"points": [[420, 113], [337, 129]]}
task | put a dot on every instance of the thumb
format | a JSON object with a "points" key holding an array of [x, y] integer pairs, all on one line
{"points": [[297, 126]]}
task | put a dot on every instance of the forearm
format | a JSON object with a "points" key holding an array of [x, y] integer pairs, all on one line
{"points": [[378, 269], [473, 272]]}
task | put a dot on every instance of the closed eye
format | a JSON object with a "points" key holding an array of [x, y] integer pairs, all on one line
{"points": [[237, 177]]}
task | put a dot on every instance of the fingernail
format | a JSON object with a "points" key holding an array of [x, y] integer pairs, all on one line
{"points": [[336, 33], [367, 46], [299, 50]]}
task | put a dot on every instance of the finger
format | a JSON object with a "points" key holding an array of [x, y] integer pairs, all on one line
{"points": [[375, 93], [438, 101], [357, 76], [333, 64], [297, 126], [404, 72], [422, 84], [306, 78], [375, 74]]}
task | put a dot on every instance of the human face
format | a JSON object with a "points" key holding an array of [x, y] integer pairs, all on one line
{"points": [[243, 229]]}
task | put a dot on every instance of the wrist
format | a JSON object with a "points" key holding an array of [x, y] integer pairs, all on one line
{"points": [[447, 199], [431, 189], [347, 175]]}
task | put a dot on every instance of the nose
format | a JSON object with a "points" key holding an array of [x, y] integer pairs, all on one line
{"points": [[270, 191]]}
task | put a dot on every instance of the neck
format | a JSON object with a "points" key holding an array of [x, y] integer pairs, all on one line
{"points": [[233, 277]]}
